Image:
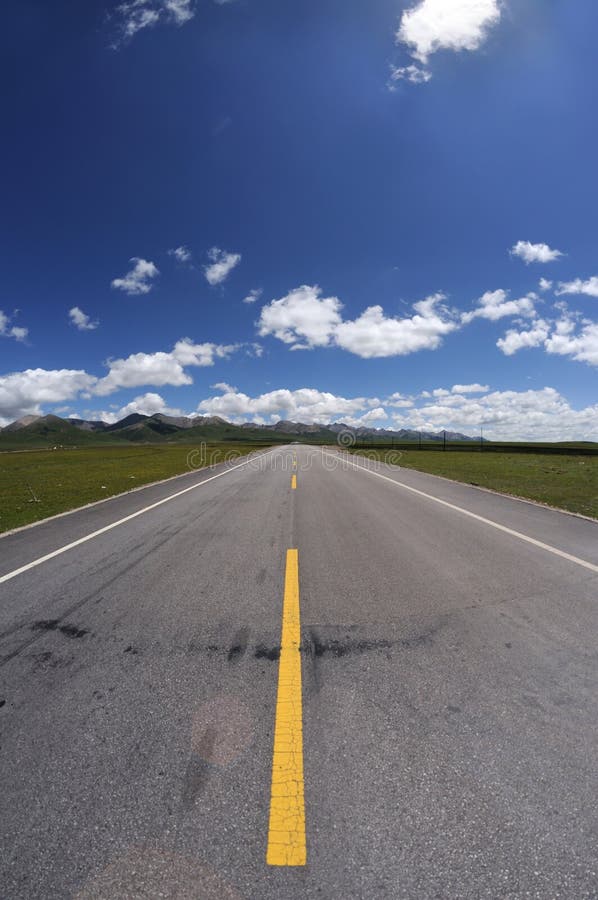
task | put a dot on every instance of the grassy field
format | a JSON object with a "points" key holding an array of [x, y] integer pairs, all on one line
{"points": [[37, 484], [567, 482]]}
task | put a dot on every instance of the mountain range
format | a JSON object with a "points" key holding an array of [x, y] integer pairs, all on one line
{"points": [[52, 431]]}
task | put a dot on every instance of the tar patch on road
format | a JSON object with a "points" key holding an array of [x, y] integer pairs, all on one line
{"points": [[270, 653], [68, 629], [313, 645], [239, 645]]}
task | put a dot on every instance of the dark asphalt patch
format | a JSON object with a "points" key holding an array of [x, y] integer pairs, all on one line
{"points": [[239, 645], [68, 629], [271, 653], [316, 646]]}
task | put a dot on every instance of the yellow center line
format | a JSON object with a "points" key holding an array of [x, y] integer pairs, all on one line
{"points": [[293, 482], [286, 833]]}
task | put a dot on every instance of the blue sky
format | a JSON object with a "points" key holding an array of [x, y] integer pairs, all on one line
{"points": [[391, 180]]}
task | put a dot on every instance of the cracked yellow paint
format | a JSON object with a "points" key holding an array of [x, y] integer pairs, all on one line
{"points": [[286, 835], [294, 482]]}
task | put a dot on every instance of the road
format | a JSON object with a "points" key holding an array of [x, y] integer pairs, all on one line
{"points": [[447, 711]]}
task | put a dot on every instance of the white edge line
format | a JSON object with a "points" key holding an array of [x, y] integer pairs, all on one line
{"points": [[94, 534], [518, 534]]}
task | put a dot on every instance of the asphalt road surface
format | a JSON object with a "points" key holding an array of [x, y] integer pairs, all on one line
{"points": [[449, 661]]}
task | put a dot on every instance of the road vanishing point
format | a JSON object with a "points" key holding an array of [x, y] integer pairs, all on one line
{"points": [[300, 675]]}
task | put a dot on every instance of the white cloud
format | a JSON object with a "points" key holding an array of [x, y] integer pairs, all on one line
{"points": [[373, 417], [81, 320], [580, 344], [224, 387], [410, 73], [160, 368], [494, 305], [373, 334], [305, 319], [142, 368], [506, 415], [146, 405], [433, 25], [304, 405], [135, 15], [206, 354], [181, 11], [515, 340], [544, 284], [399, 401], [22, 393], [182, 254], [578, 286], [253, 295], [470, 388], [138, 280], [302, 318], [529, 253], [570, 335], [221, 265], [14, 331]]}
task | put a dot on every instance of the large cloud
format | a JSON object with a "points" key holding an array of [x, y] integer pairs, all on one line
{"points": [[433, 25], [304, 319], [304, 405], [147, 404], [160, 368], [505, 415], [570, 335], [495, 305], [373, 334], [579, 286], [580, 342], [23, 393]]}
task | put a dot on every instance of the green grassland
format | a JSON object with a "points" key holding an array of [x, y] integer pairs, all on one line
{"points": [[566, 482], [37, 484]]}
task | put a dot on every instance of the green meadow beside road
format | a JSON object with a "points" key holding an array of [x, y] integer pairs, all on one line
{"points": [[38, 484], [563, 481]]}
